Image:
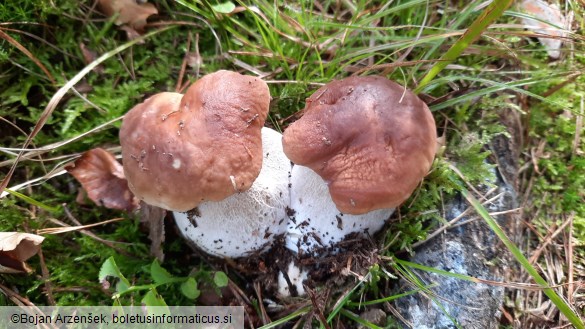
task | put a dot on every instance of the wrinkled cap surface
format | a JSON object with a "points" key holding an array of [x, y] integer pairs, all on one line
{"points": [[371, 140], [204, 146]]}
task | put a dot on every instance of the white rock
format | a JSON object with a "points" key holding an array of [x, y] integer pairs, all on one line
{"points": [[249, 221]]}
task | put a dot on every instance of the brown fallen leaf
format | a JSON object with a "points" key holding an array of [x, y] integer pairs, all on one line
{"points": [[15, 249], [132, 34], [90, 56], [102, 177], [129, 12]]}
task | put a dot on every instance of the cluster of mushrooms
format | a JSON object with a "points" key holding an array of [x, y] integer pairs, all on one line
{"points": [[360, 149]]}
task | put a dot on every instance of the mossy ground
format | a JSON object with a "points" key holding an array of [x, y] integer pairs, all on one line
{"points": [[295, 47]]}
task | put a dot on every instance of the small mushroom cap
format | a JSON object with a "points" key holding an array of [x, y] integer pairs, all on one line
{"points": [[369, 138], [204, 146]]}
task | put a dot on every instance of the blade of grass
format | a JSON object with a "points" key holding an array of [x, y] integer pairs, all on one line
{"points": [[454, 25], [287, 318], [359, 320], [28, 54], [515, 285], [406, 273], [387, 299], [32, 201], [560, 303], [490, 14], [434, 270], [63, 90], [493, 86], [344, 300]]}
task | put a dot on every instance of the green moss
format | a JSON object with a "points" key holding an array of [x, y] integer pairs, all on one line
{"points": [[321, 47]]}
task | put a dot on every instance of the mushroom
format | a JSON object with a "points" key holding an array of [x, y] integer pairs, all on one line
{"points": [[190, 153], [294, 285], [204, 146], [360, 150], [244, 222], [369, 142]]}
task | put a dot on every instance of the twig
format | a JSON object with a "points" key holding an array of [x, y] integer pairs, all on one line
{"points": [[15, 297], [397, 314], [46, 278], [548, 240], [257, 289], [569, 257], [491, 214], [460, 174], [183, 65], [241, 297], [506, 314], [317, 308], [454, 220], [570, 79], [59, 230], [92, 235], [578, 127], [22, 301]]}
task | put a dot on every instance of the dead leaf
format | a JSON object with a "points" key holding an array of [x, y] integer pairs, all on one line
{"points": [[102, 177], [129, 12], [90, 56], [15, 249], [550, 15], [132, 34]]}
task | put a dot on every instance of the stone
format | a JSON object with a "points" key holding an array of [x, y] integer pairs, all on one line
{"points": [[471, 249]]}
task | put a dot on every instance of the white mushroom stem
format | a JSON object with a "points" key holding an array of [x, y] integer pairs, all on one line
{"points": [[296, 276], [316, 223], [248, 222], [245, 222]]}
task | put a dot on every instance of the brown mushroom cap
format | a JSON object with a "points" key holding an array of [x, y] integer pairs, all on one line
{"points": [[371, 140], [205, 146]]}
